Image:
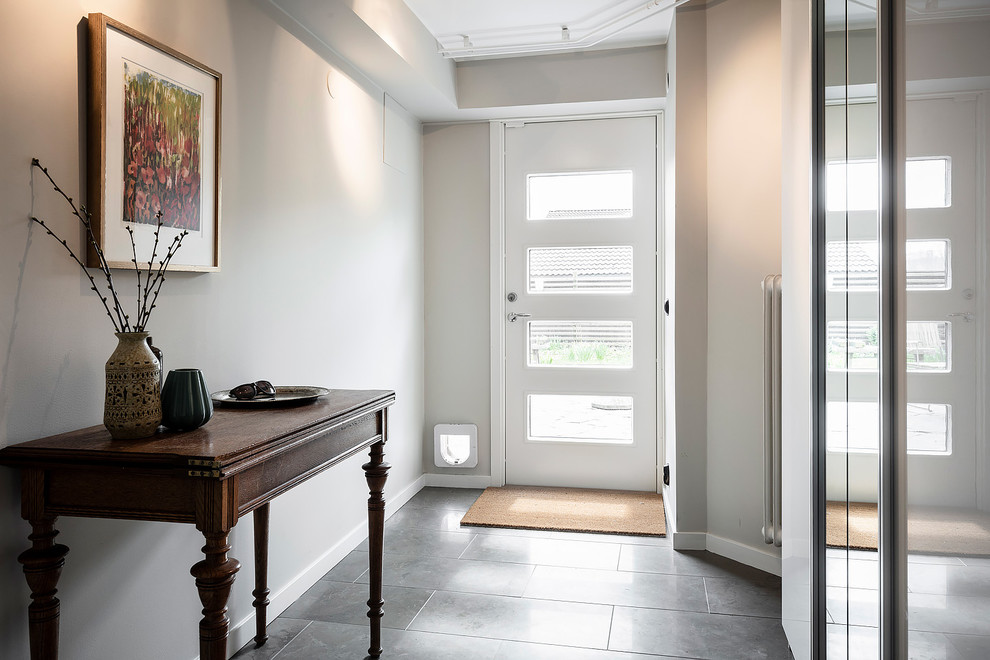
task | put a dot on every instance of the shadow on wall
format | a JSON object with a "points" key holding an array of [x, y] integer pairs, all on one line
{"points": [[13, 606], [15, 309]]}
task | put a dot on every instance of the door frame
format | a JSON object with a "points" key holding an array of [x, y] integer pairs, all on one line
{"points": [[497, 278]]}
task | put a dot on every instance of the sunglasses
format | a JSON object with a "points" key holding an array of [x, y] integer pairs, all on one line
{"points": [[252, 390]]}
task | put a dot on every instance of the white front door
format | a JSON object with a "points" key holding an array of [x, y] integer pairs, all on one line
{"points": [[943, 296], [580, 200], [942, 301]]}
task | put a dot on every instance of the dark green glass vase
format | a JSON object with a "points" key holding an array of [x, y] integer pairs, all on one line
{"points": [[186, 402]]}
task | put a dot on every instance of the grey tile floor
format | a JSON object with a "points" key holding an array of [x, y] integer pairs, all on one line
{"points": [[948, 606], [470, 593]]}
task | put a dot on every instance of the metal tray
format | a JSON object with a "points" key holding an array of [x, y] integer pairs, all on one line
{"points": [[285, 395]]}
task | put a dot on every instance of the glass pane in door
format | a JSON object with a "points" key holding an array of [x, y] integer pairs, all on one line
{"points": [[945, 116], [580, 195], [580, 418], [587, 344], [583, 269], [852, 339]]}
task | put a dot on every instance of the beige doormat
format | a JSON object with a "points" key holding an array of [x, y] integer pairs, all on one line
{"points": [[931, 530], [569, 509]]}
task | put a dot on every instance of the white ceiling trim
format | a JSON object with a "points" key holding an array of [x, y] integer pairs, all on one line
{"points": [[583, 33]]}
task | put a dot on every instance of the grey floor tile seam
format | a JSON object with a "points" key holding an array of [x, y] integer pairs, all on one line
{"points": [[503, 641], [960, 637], [611, 620], [644, 656], [420, 611], [417, 505], [468, 546], [284, 646], [461, 558], [612, 605], [948, 638]]}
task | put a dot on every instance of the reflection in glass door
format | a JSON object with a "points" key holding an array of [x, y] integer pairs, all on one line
{"points": [[945, 117], [852, 333], [903, 331]]}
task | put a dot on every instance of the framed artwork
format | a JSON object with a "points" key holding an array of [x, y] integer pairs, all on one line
{"points": [[153, 145]]}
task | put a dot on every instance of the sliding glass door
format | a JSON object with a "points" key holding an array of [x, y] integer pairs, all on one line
{"points": [[849, 328], [943, 113], [900, 330]]}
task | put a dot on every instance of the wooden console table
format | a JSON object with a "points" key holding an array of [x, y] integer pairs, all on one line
{"points": [[236, 464]]}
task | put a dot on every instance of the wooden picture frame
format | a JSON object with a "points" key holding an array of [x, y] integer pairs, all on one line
{"points": [[153, 142]]}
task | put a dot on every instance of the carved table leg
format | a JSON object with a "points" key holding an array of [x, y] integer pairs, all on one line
{"points": [[42, 567], [214, 578], [261, 591], [376, 471]]}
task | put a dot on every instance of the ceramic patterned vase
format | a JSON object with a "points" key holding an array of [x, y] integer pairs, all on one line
{"points": [[133, 407], [186, 402]]}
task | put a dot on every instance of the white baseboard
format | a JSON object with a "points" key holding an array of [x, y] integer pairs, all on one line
{"points": [[458, 480], [243, 631], [765, 561], [744, 554], [689, 540]]}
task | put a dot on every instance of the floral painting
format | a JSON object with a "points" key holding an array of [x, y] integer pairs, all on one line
{"points": [[162, 144]]}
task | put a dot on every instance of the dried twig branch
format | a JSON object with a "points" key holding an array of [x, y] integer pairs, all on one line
{"points": [[72, 254], [147, 295], [163, 266], [84, 217]]}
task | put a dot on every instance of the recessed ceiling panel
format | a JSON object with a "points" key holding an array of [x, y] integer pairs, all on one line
{"points": [[472, 28]]}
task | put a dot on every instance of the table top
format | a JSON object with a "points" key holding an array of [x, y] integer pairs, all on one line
{"points": [[233, 435]]}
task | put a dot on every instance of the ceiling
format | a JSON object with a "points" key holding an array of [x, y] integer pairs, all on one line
{"points": [[471, 29], [863, 13]]}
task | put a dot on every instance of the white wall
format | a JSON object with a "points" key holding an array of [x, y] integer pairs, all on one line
{"points": [[744, 142], [722, 239], [321, 283], [686, 438], [796, 333], [458, 366]]}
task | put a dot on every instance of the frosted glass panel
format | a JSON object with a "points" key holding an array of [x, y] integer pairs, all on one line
{"points": [[928, 265], [580, 195], [580, 418], [596, 344], [580, 269], [855, 426], [929, 346], [854, 347], [855, 265], [854, 185]]}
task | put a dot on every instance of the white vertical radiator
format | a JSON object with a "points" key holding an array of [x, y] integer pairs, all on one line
{"points": [[771, 410]]}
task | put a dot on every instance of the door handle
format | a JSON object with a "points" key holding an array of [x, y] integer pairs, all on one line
{"points": [[966, 316], [512, 316]]}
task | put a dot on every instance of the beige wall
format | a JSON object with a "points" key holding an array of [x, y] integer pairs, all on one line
{"points": [[723, 238], [321, 283], [458, 365], [744, 175]]}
